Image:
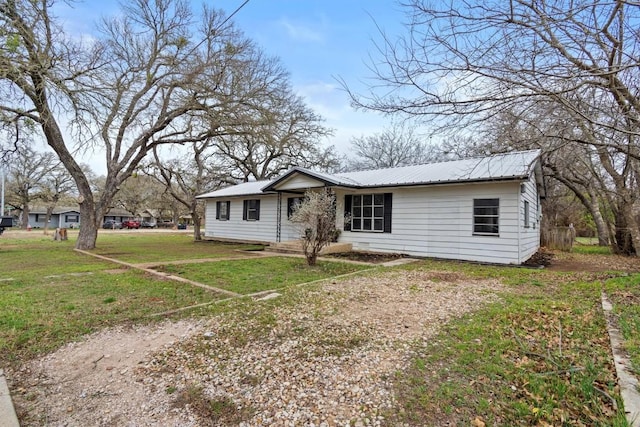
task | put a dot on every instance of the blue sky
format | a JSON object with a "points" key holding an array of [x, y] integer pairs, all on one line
{"points": [[317, 41]]}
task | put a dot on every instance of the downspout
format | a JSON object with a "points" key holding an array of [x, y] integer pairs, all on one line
{"points": [[518, 222]]}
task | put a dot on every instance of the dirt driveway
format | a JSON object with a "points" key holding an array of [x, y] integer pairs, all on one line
{"points": [[318, 355]]}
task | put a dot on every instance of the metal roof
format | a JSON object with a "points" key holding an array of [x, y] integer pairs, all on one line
{"points": [[244, 189], [499, 167], [56, 210]]}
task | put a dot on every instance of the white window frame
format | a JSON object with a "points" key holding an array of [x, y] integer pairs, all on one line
{"points": [[252, 213], [360, 215], [481, 215]]}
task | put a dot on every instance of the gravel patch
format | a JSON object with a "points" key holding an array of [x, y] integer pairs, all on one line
{"points": [[323, 355]]}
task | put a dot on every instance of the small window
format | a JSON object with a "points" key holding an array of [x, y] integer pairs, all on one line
{"points": [[526, 215], [251, 210], [71, 218], [292, 204], [222, 210], [486, 213]]}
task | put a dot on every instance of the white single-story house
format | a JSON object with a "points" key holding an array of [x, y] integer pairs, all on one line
{"points": [[481, 209], [69, 217], [63, 217]]}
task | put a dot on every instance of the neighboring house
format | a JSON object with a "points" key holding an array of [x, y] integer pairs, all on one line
{"points": [[151, 216], [69, 217], [485, 209], [63, 217], [117, 214]]}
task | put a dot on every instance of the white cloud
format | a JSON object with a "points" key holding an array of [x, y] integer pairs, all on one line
{"points": [[332, 103], [300, 32]]}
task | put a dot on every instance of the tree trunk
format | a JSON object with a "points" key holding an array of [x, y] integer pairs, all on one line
{"points": [[600, 223], [601, 229], [88, 226], [197, 235], [311, 259], [25, 216], [633, 229], [47, 218]]}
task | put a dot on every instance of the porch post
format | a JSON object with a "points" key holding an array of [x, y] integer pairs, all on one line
{"points": [[279, 218]]}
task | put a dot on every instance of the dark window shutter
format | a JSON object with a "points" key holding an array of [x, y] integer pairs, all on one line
{"points": [[244, 209], [387, 212], [217, 210], [228, 209], [258, 210], [347, 212]]}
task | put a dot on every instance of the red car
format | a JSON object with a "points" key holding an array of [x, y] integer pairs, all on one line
{"points": [[131, 223]]}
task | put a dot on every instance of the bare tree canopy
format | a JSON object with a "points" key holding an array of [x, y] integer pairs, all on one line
{"points": [[187, 176], [460, 62], [155, 74], [29, 174], [398, 145], [568, 72], [282, 134]]}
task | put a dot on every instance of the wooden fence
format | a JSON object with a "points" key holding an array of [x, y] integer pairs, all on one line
{"points": [[560, 238]]}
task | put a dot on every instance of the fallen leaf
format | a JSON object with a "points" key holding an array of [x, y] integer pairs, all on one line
{"points": [[477, 422]]}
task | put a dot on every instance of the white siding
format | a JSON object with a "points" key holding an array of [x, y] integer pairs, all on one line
{"points": [[298, 181], [438, 222], [429, 221], [263, 230], [529, 237]]}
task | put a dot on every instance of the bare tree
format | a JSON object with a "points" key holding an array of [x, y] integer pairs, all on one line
{"points": [[150, 72], [135, 194], [54, 187], [461, 63], [188, 176], [282, 134], [397, 145], [555, 133], [315, 217], [27, 170]]}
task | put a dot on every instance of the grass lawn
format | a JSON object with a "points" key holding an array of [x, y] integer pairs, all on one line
{"points": [[540, 357], [140, 247], [587, 240], [50, 294], [255, 275], [591, 249]]}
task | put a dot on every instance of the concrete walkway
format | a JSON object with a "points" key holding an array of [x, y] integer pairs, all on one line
{"points": [[161, 274], [8, 416]]}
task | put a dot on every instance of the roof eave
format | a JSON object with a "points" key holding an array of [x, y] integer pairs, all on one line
{"points": [[227, 196], [453, 182], [271, 186]]}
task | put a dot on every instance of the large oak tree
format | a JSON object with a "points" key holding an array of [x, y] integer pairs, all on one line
{"points": [[152, 76]]}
